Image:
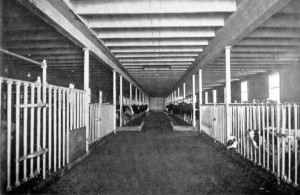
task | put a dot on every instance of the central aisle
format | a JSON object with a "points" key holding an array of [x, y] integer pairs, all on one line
{"points": [[155, 161], [157, 122]]}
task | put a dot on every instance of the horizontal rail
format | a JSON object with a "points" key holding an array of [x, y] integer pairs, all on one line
{"points": [[35, 154], [21, 57], [41, 105]]}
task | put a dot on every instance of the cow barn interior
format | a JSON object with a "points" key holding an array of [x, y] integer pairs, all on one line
{"points": [[150, 96]]}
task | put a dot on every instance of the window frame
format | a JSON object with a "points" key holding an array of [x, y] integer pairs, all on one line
{"points": [[274, 87]]}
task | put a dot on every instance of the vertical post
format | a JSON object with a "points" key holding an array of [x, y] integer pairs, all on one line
{"points": [[87, 94], [121, 100], [228, 90], [140, 97], [25, 121], [114, 98], [44, 67], [214, 96], [54, 128], [44, 121], [64, 125], [183, 90], [200, 99], [130, 93], [172, 97], [38, 137], [100, 97], [194, 101], [136, 94], [17, 133], [9, 130], [59, 125], [178, 93]]}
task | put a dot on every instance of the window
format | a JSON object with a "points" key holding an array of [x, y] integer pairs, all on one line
{"points": [[244, 91], [274, 87], [214, 96], [206, 97]]}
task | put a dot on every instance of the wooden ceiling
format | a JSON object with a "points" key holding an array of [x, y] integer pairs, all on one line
{"points": [[158, 44], [155, 40]]}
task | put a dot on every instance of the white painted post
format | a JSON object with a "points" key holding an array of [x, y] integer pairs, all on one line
{"points": [[50, 129], [44, 67], [140, 97], [87, 95], [32, 92], [214, 96], [69, 96], [59, 126], [228, 90], [130, 93], [17, 133], [114, 98], [172, 97], [38, 137], [100, 97], [55, 127], [121, 99], [178, 93], [64, 104], [194, 101], [44, 122], [136, 94], [143, 98], [206, 97], [9, 144], [200, 100], [183, 90], [25, 134]]}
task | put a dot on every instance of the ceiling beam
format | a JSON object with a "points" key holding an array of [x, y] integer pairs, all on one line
{"points": [[159, 60], [155, 55], [155, 63], [155, 50], [238, 26], [155, 33], [92, 7], [163, 42], [154, 21], [59, 15]]}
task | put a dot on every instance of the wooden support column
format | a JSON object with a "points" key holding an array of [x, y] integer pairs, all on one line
{"points": [[114, 99], [86, 67], [140, 97], [228, 91], [178, 92], [136, 95], [130, 93], [121, 100], [44, 68], [194, 101], [183, 90], [100, 97], [200, 100]]}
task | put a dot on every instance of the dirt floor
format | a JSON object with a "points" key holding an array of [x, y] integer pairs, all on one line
{"points": [[156, 161]]}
